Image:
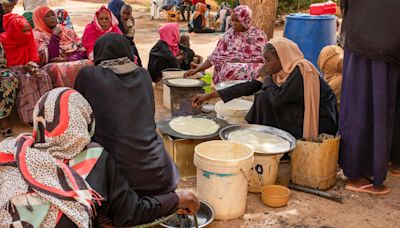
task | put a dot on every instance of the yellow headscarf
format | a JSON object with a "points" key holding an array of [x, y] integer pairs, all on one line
{"points": [[291, 57], [330, 61]]}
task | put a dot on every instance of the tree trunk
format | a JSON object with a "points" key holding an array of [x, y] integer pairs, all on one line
{"points": [[264, 14]]}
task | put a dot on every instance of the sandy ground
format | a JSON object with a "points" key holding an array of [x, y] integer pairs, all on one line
{"points": [[303, 210]]}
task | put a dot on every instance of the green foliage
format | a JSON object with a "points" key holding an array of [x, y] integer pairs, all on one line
{"points": [[294, 6]]}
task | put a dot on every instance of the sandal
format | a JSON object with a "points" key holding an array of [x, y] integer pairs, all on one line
{"points": [[364, 189], [394, 172], [7, 132]]}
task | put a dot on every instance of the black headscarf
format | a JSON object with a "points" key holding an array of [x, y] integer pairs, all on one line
{"points": [[112, 46], [123, 106]]}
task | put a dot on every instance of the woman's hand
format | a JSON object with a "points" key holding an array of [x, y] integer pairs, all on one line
{"points": [[190, 73], [199, 99], [57, 31], [188, 201], [262, 74], [58, 60], [31, 68]]}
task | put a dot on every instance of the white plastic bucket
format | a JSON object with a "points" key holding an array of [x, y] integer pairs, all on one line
{"points": [[223, 168], [264, 171], [234, 111]]}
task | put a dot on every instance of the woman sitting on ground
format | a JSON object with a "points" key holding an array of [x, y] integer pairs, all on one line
{"points": [[30, 6], [129, 134], [18, 42], [200, 20], [55, 43], [59, 46], [330, 62], [104, 22], [23, 58], [166, 53], [290, 95], [238, 55], [62, 178]]}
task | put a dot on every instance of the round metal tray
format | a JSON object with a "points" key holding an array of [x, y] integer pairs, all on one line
{"points": [[164, 127], [168, 83], [205, 216], [224, 134]]}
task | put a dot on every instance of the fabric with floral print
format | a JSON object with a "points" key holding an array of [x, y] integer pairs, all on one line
{"points": [[8, 86], [238, 55], [244, 14]]}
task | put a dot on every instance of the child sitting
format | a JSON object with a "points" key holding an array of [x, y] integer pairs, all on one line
{"points": [[128, 22], [189, 60]]}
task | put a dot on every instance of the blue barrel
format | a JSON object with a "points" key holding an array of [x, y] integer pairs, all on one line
{"points": [[311, 33]]}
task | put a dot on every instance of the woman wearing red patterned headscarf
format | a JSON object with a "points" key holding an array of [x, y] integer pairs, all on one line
{"points": [[238, 55], [59, 47]]}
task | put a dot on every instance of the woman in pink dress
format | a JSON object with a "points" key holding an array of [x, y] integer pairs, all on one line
{"points": [[104, 22], [238, 55]]}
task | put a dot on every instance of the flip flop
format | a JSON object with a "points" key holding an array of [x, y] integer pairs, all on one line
{"points": [[395, 174], [364, 189]]}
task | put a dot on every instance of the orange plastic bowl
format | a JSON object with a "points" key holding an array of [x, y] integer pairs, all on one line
{"points": [[275, 195]]}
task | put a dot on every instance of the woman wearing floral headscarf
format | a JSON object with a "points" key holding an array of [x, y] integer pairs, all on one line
{"points": [[238, 55]]}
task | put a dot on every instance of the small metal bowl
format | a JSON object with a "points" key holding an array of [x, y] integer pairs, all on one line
{"points": [[205, 216]]}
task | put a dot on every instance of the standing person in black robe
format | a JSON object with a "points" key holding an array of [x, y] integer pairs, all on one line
{"points": [[369, 122], [282, 100], [121, 95]]}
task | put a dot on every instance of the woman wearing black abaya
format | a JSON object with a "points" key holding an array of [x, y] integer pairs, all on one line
{"points": [[122, 99]]}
